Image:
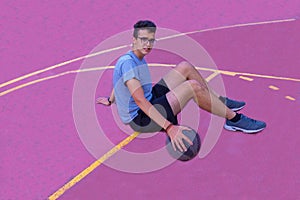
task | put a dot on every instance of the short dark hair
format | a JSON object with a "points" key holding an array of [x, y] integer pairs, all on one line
{"points": [[143, 24]]}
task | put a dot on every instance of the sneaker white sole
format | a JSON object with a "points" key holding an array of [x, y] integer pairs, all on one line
{"points": [[233, 128], [237, 109]]}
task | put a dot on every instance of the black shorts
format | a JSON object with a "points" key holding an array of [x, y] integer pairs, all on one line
{"points": [[144, 124]]}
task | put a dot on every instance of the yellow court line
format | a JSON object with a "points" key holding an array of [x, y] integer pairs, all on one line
{"points": [[92, 167], [124, 46], [268, 76], [33, 82], [38, 72], [217, 70], [214, 71], [97, 163], [51, 77], [213, 75], [115, 149], [290, 98], [231, 73], [59, 65], [272, 87], [246, 78], [134, 135]]}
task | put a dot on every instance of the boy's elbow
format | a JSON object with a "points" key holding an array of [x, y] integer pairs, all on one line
{"points": [[140, 100]]}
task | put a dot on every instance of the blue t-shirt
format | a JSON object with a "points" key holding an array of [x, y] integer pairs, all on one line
{"points": [[129, 66]]}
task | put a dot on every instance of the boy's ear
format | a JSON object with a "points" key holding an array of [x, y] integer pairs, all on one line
{"points": [[134, 40]]}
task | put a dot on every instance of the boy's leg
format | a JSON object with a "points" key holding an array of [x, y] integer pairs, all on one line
{"points": [[195, 87], [178, 98], [185, 71], [182, 72]]}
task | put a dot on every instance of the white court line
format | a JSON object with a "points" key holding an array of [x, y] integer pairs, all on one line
{"points": [[124, 46]]}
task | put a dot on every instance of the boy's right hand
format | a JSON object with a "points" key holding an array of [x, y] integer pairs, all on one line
{"points": [[177, 137]]}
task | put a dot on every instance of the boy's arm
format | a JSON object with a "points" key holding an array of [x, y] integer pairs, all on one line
{"points": [[112, 96], [174, 132], [107, 101], [137, 93]]}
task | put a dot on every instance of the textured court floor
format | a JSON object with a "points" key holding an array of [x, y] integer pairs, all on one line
{"points": [[41, 149]]}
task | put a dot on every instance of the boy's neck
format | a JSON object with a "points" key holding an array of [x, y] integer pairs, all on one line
{"points": [[138, 54]]}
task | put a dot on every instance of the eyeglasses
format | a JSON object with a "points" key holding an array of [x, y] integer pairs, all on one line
{"points": [[146, 40]]}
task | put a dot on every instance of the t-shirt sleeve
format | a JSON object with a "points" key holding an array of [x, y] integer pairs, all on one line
{"points": [[129, 70]]}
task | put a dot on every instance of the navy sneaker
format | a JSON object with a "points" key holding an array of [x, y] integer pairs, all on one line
{"points": [[245, 124], [234, 105]]}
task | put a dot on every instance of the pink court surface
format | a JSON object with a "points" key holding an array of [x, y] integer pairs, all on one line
{"points": [[44, 152]]}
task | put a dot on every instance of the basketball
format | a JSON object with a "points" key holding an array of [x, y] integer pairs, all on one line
{"points": [[192, 150]]}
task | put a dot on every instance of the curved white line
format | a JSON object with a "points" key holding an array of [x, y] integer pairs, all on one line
{"points": [[214, 74], [124, 46]]}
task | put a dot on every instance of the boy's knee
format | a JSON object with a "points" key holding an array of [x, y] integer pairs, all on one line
{"points": [[196, 86], [184, 67], [185, 64]]}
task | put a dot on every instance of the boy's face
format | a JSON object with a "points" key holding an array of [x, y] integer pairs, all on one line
{"points": [[144, 42]]}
